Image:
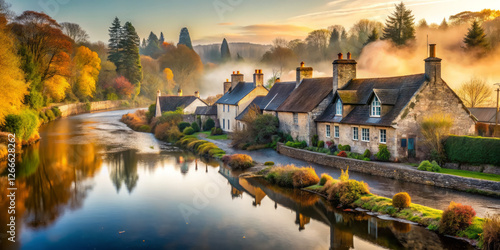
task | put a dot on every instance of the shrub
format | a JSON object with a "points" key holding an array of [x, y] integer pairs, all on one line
{"points": [[366, 159], [472, 149], [195, 127], [428, 166], [342, 154], [383, 153], [151, 112], [344, 147], [491, 232], [314, 140], [43, 117], [216, 152], [347, 192], [304, 177], [455, 218], [344, 176], [240, 161], [269, 163], [292, 176], [216, 131], [367, 154], [324, 178], [188, 131], [330, 144], [56, 111], [183, 125], [135, 120], [50, 114], [205, 148], [401, 200], [321, 144], [24, 125], [144, 128], [167, 132], [112, 97], [209, 124], [288, 138]]}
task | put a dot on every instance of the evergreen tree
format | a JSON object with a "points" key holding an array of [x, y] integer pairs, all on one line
{"points": [[334, 38], [130, 66], [162, 38], [400, 27], [153, 47], [239, 58], [374, 36], [343, 36], [423, 24], [475, 38], [224, 51], [443, 25], [185, 39], [115, 35]]}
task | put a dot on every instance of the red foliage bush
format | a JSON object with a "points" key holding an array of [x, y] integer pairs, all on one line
{"points": [[342, 154], [455, 218], [123, 86], [401, 200]]}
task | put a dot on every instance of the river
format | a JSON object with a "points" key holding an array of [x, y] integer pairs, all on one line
{"points": [[92, 183]]}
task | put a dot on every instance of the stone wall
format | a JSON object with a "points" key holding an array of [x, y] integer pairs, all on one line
{"points": [[391, 171], [79, 108]]}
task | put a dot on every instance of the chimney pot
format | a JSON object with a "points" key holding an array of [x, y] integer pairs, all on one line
{"points": [[197, 94], [238, 72], [432, 50], [256, 71], [340, 56], [302, 64], [277, 80], [234, 72], [349, 55]]}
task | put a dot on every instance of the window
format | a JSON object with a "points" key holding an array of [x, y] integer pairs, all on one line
{"points": [[355, 134], [228, 125], [383, 136], [328, 131], [228, 108], [295, 118], [337, 132], [375, 107], [223, 107], [365, 134], [338, 107], [223, 123]]}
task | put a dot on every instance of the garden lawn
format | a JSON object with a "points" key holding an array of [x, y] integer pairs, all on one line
{"points": [[212, 137], [471, 174]]}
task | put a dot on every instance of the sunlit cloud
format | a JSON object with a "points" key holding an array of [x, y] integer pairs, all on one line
{"points": [[225, 24]]}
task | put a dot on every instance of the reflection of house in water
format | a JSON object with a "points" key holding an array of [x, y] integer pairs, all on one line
{"points": [[302, 220], [123, 169], [240, 185]]}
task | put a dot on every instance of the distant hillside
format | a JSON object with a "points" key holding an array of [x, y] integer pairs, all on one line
{"points": [[249, 51]]}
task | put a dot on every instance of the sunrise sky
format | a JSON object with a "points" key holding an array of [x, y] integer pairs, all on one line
{"points": [[258, 21]]}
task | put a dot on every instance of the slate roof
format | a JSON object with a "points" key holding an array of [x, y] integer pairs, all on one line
{"points": [[393, 91], [486, 115], [171, 103], [257, 101], [206, 110], [277, 95], [308, 95], [233, 96]]}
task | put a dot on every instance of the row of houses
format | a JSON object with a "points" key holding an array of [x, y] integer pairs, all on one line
{"points": [[345, 109]]}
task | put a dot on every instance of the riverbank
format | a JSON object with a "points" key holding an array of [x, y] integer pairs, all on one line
{"points": [[81, 107]]}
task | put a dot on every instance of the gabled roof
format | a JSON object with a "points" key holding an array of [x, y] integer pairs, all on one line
{"points": [[394, 91], [277, 95], [486, 115], [348, 96], [234, 96], [171, 103], [308, 95], [257, 101], [206, 110]]}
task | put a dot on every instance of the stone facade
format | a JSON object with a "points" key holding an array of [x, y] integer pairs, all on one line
{"points": [[391, 171]]}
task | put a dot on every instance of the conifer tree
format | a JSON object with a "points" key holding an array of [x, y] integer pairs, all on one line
{"points": [[224, 51], [115, 35], [475, 38], [374, 36], [162, 38], [130, 67], [443, 25], [185, 39], [153, 47], [400, 26]]}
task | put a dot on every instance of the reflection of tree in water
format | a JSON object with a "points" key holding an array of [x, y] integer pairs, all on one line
{"points": [[123, 169], [58, 182]]}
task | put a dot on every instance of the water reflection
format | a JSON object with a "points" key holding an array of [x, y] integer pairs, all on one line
{"points": [[123, 169]]}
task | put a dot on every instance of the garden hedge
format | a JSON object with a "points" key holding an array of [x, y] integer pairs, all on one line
{"points": [[473, 149]]}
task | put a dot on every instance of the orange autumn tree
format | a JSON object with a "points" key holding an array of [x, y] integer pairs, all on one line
{"points": [[123, 87], [169, 76], [12, 83], [87, 66]]}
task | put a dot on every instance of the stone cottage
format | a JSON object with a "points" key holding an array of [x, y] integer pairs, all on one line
{"points": [[256, 103], [307, 101], [172, 103], [365, 113], [276, 96], [238, 94]]}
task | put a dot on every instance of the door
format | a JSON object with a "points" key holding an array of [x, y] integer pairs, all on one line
{"points": [[411, 147]]}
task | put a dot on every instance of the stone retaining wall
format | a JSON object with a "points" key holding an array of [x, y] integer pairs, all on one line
{"points": [[391, 171], [79, 108]]}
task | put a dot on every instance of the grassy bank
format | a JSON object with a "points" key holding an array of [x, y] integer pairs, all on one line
{"points": [[200, 147], [471, 174], [207, 135]]}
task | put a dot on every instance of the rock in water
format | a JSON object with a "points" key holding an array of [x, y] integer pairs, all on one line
{"points": [[185, 39]]}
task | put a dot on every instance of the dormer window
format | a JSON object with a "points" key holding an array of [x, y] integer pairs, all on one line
{"points": [[338, 108], [375, 107]]}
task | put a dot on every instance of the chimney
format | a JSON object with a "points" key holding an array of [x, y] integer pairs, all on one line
{"points": [[277, 80], [158, 108], [179, 92], [258, 78], [432, 65], [158, 93], [236, 78], [344, 70], [227, 86], [197, 94], [303, 72]]}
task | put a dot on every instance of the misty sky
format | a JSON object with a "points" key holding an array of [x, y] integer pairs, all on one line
{"points": [[257, 21]]}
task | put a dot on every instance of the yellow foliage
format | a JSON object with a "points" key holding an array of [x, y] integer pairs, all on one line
{"points": [[56, 87], [87, 65]]}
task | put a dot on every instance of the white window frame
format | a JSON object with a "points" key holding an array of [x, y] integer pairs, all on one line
{"points": [[295, 118], [363, 130], [328, 131], [383, 136], [338, 108], [355, 133], [375, 107], [336, 131]]}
